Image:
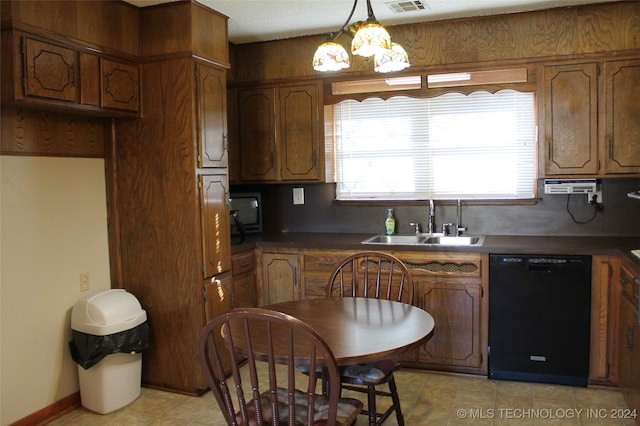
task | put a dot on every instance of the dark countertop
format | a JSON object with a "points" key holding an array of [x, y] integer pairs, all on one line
{"points": [[511, 244]]}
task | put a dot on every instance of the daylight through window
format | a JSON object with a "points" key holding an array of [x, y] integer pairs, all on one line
{"points": [[475, 146]]}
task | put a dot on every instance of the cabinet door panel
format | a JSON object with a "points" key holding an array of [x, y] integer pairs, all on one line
{"points": [[50, 71], [256, 129], [215, 224], [244, 291], [217, 295], [455, 309], [570, 114], [212, 116], [279, 278], [120, 85], [622, 123], [299, 130]]}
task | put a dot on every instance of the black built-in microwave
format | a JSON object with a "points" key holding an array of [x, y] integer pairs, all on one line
{"points": [[246, 213]]}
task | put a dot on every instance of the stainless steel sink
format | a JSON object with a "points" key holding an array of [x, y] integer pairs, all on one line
{"points": [[396, 239], [426, 239], [462, 240]]}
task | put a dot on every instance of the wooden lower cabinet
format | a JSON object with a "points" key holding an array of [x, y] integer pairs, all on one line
{"points": [[451, 288], [243, 267], [279, 279], [456, 309], [448, 286], [604, 321], [629, 336]]}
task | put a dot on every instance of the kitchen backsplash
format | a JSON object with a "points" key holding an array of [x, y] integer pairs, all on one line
{"points": [[621, 216]]}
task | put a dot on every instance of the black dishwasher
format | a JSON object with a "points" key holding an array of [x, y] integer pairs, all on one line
{"points": [[539, 318]]}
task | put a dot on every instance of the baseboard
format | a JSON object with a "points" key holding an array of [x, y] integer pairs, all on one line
{"points": [[53, 411]]}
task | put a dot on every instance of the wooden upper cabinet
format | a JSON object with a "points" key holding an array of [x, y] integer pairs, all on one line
{"points": [[280, 133], [257, 134], [622, 117], [53, 74], [570, 119], [233, 144], [120, 85], [300, 122], [211, 98], [50, 71]]}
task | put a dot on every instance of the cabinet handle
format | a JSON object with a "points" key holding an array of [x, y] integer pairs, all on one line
{"points": [[630, 338], [549, 149], [610, 147], [72, 70], [225, 142]]}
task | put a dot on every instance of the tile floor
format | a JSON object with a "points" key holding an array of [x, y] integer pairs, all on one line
{"points": [[426, 399]]}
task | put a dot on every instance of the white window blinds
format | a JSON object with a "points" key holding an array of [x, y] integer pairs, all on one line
{"points": [[476, 146]]}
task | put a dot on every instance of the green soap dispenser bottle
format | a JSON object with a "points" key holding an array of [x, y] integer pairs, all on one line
{"points": [[390, 223]]}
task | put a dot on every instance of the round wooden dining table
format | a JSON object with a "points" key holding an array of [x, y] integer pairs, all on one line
{"points": [[360, 330]]}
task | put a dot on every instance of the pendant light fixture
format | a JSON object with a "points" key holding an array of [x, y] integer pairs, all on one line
{"points": [[369, 39]]}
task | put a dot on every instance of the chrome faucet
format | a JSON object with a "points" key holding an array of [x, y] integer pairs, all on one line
{"points": [[459, 227], [432, 217], [416, 227]]}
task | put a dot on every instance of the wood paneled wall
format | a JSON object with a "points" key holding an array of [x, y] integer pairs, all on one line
{"points": [[561, 32], [105, 25], [35, 132]]}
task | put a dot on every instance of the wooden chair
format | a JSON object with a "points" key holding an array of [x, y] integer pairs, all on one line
{"points": [[381, 276], [273, 344]]}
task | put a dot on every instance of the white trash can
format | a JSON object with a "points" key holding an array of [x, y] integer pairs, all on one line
{"points": [[109, 324]]}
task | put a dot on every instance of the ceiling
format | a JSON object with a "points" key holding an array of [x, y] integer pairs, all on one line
{"points": [[263, 20]]}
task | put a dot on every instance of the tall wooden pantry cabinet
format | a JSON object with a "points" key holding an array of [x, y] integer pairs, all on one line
{"points": [[169, 189]]}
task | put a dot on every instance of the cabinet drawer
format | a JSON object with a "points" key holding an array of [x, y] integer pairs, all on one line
{"points": [[442, 264], [315, 284], [243, 262], [324, 261]]}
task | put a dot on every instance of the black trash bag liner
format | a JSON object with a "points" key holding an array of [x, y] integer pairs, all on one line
{"points": [[88, 349]]}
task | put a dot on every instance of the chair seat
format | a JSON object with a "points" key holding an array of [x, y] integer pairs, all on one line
{"points": [[370, 373], [348, 409]]}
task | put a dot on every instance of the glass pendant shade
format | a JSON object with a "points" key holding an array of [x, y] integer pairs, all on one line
{"points": [[330, 56], [370, 38], [394, 59]]}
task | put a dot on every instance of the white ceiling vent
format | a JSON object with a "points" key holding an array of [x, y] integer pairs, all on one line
{"points": [[403, 6]]}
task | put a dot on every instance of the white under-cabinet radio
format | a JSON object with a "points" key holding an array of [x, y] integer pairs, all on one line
{"points": [[571, 186]]}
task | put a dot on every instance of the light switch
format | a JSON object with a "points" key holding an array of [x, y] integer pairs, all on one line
{"points": [[298, 196]]}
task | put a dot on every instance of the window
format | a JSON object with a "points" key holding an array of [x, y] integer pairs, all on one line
{"points": [[475, 146]]}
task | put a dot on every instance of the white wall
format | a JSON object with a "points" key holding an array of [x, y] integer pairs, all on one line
{"points": [[53, 226]]}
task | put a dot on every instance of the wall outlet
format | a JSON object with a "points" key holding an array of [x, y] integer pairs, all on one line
{"points": [[597, 194], [298, 196], [84, 281]]}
